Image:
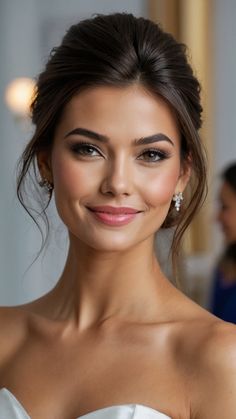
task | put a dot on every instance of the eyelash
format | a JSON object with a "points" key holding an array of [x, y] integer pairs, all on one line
{"points": [[81, 148], [158, 155]]}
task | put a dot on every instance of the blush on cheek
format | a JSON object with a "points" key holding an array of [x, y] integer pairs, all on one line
{"points": [[71, 178], [159, 191]]}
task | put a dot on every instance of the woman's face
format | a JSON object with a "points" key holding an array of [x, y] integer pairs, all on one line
{"points": [[227, 212], [115, 166]]}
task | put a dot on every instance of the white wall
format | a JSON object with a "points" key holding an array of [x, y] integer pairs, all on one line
{"points": [[224, 75]]}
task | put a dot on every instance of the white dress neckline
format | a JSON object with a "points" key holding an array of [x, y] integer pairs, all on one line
{"points": [[130, 411]]}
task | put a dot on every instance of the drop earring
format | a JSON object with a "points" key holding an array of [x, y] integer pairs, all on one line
{"points": [[177, 198], [44, 183]]}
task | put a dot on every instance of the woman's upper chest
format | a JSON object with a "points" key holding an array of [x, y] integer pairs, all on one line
{"points": [[52, 377]]}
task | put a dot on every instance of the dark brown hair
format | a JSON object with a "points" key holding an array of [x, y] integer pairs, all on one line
{"points": [[118, 50]]}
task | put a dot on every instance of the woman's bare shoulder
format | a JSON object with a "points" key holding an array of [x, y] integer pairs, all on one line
{"points": [[12, 316], [13, 329], [218, 345], [205, 351], [18, 318], [215, 372]]}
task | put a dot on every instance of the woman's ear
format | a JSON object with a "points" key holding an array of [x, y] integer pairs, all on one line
{"points": [[44, 165], [185, 174]]}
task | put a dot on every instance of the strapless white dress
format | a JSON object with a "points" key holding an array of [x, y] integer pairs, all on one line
{"points": [[10, 408]]}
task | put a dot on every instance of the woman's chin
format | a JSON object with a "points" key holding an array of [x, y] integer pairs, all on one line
{"points": [[115, 247], [104, 244]]}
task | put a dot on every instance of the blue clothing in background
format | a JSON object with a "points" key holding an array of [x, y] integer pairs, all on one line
{"points": [[223, 303]]}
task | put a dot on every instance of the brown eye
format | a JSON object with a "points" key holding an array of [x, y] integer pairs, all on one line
{"points": [[84, 149], [153, 155]]}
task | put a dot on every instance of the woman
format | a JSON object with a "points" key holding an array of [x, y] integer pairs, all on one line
{"points": [[223, 302], [117, 115]]}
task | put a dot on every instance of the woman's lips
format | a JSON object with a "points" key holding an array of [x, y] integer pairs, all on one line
{"points": [[114, 216]]}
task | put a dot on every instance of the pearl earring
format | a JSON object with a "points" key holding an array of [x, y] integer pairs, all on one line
{"points": [[177, 198]]}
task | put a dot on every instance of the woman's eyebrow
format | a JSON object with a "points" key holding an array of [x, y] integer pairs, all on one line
{"points": [[153, 139], [103, 138], [88, 133]]}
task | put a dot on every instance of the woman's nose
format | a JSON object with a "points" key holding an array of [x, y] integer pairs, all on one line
{"points": [[117, 179]]}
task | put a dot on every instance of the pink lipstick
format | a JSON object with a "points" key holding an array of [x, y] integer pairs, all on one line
{"points": [[114, 216]]}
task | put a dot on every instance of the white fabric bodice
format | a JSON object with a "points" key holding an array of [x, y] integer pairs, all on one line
{"points": [[10, 408]]}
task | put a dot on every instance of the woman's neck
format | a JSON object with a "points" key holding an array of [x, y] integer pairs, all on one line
{"points": [[97, 285]]}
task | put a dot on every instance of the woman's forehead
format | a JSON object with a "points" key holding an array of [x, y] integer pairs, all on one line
{"points": [[131, 110]]}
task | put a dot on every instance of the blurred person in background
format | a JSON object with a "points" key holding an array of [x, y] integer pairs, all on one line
{"points": [[223, 298]]}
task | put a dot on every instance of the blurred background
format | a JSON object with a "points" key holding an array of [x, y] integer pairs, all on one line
{"points": [[28, 31]]}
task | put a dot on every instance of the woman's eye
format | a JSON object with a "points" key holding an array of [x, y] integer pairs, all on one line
{"points": [[84, 149], [152, 155]]}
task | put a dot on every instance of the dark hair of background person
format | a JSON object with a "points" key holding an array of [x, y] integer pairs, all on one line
{"points": [[118, 50], [229, 176]]}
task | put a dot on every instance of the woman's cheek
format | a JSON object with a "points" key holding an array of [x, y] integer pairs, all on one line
{"points": [[161, 188], [72, 177]]}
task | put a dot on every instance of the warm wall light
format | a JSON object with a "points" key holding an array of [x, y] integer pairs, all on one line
{"points": [[18, 96]]}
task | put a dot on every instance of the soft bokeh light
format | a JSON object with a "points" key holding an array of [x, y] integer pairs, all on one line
{"points": [[19, 94]]}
